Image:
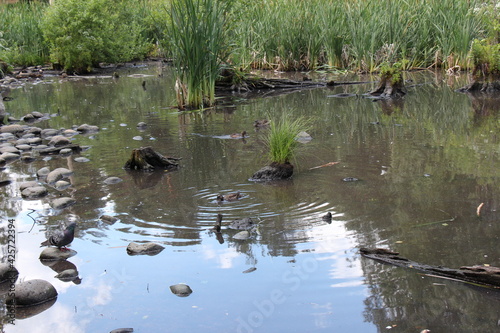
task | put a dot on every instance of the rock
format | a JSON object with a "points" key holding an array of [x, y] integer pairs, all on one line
{"points": [[69, 132], [85, 128], [137, 138], [150, 249], [141, 125], [34, 192], [37, 114], [109, 219], [13, 129], [59, 140], [48, 132], [112, 180], [10, 157], [242, 235], [53, 253], [242, 224], [61, 203], [23, 147], [66, 152], [81, 159], [43, 172], [32, 292], [8, 273], [25, 185], [28, 159], [123, 330], [58, 174], [350, 179], [7, 136], [61, 185], [34, 141], [303, 137], [9, 149], [181, 290], [67, 275]]}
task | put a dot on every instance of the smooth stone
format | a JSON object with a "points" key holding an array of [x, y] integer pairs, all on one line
{"points": [[28, 159], [32, 292], [150, 249], [34, 192], [242, 235], [303, 137], [109, 219], [53, 253], [67, 275], [43, 172], [66, 152], [81, 159], [33, 130], [58, 174], [122, 330], [9, 149], [9, 157], [61, 185], [34, 141], [8, 273], [48, 132], [61, 203], [181, 290], [13, 129], [137, 138], [2, 162], [141, 125], [24, 147], [59, 140], [84, 128], [113, 180], [242, 224], [69, 132], [37, 114], [7, 136], [25, 185]]}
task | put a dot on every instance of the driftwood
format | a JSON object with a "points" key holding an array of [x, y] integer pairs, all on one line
{"points": [[145, 158], [482, 275], [389, 88], [489, 87]]}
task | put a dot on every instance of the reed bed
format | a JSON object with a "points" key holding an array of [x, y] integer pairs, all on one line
{"points": [[288, 34], [21, 39]]}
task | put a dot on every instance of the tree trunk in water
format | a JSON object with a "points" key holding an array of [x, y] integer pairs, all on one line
{"points": [[389, 88], [484, 275], [145, 158]]}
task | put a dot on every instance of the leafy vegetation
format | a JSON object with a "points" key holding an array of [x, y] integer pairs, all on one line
{"points": [[83, 33]]}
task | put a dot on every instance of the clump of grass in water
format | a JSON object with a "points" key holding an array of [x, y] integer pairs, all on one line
{"points": [[282, 138], [198, 29]]}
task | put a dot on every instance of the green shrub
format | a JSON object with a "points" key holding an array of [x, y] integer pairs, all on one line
{"points": [[83, 33]]}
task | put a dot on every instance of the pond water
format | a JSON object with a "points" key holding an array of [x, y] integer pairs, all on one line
{"points": [[424, 165]]}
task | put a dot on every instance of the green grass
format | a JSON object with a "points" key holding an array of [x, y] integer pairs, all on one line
{"points": [[281, 138]]}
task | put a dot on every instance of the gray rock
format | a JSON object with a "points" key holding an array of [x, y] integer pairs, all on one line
{"points": [[242, 224], [32, 292], [61, 203], [34, 141], [61, 185], [13, 129], [181, 290], [9, 149], [25, 185], [58, 174], [242, 235], [8, 273], [10, 157], [81, 159], [123, 330], [85, 128], [23, 147], [48, 132], [69, 132], [112, 180], [66, 152], [37, 114], [53, 253], [109, 219], [34, 192], [43, 172], [67, 275], [303, 137], [59, 140], [150, 249], [7, 136]]}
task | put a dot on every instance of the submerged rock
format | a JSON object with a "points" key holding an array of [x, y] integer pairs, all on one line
{"points": [[242, 235], [149, 249], [57, 174], [34, 192], [181, 290], [112, 180], [109, 219], [53, 253], [242, 224], [274, 171], [61, 203]]}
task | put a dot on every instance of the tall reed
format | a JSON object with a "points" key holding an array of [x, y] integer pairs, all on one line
{"points": [[199, 46], [22, 40]]}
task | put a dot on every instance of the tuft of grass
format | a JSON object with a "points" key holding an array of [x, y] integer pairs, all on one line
{"points": [[281, 139]]}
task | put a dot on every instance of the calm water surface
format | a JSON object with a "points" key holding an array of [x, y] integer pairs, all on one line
{"points": [[424, 165]]}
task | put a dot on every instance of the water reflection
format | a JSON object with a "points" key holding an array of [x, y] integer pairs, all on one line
{"points": [[424, 162]]}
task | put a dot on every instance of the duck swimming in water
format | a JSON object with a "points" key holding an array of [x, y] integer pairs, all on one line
{"points": [[241, 135], [229, 197]]}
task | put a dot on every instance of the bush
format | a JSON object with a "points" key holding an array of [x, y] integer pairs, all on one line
{"points": [[83, 33]]}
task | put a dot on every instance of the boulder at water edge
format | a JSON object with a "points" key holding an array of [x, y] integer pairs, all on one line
{"points": [[150, 249], [32, 297]]}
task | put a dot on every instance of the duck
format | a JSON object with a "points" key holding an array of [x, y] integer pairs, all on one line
{"points": [[229, 197], [241, 135], [261, 123]]}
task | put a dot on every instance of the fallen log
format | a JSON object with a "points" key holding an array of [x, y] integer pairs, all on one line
{"points": [[487, 276], [145, 158]]}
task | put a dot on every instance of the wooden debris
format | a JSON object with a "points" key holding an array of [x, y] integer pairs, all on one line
{"points": [[145, 158]]}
